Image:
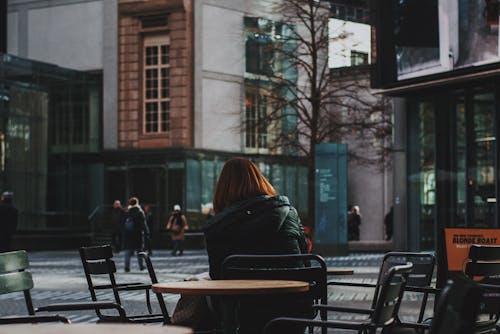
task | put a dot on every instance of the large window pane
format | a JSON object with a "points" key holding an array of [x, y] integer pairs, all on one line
{"points": [[422, 175], [481, 172]]}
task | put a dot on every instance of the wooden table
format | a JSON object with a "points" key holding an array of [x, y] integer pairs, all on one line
{"points": [[231, 287], [339, 271], [231, 292], [92, 329]]}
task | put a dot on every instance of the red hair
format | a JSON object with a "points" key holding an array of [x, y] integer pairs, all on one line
{"points": [[240, 179]]}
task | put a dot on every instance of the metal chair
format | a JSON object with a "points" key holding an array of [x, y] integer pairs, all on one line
{"points": [[383, 315], [300, 267], [14, 277], [97, 262], [419, 281], [483, 264]]}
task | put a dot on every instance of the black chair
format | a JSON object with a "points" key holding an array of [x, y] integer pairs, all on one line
{"points": [[419, 281], [457, 308], [456, 311], [154, 279], [14, 277], [97, 262], [383, 315], [483, 263], [299, 267]]}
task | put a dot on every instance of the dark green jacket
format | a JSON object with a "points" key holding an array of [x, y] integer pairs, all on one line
{"points": [[261, 225]]}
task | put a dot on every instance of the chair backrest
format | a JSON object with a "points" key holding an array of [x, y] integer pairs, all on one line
{"points": [[296, 267], [97, 260], [390, 294], [420, 275], [14, 277], [154, 279], [483, 263], [457, 308]]}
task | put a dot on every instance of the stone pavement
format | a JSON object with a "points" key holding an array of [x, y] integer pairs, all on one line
{"points": [[58, 277]]}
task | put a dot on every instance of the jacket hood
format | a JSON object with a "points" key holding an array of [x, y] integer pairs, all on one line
{"points": [[263, 212]]}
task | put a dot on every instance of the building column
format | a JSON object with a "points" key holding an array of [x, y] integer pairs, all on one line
{"points": [[400, 219], [3, 26]]}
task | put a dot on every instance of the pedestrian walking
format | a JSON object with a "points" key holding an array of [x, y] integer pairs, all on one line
{"points": [[389, 224], [176, 225], [148, 212], [117, 213], [353, 223], [8, 217], [135, 230]]}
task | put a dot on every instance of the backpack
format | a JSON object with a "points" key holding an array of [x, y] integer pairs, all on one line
{"points": [[129, 224]]}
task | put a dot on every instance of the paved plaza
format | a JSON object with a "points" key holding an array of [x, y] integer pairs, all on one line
{"points": [[58, 277]]}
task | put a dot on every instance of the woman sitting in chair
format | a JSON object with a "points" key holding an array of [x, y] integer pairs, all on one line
{"points": [[251, 219]]}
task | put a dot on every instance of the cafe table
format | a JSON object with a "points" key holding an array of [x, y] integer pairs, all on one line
{"points": [[231, 291], [231, 287], [43, 328]]}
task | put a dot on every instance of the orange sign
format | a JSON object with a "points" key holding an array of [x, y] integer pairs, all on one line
{"points": [[459, 240]]}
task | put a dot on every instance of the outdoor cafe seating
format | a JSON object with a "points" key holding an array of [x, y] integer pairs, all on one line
{"points": [[15, 277], [97, 262], [455, 313], [418, 281]]}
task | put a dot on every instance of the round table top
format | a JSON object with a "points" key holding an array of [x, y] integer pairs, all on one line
{"points": [[231, 287], [44, 328], [339, 271]]}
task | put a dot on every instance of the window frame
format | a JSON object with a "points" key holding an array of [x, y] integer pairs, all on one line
{"points": [[161, 122]]}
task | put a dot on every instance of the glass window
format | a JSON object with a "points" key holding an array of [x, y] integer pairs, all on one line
{"points": [[263, 46], [422, 176], [156, 91], [277, 178], [481, 168], [193, 185], [460, 156], [207, 181], [416, 44], [256, 122], [359, 58]]}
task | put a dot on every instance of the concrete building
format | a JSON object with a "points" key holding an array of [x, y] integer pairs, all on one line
{"points": [[171, 87]]}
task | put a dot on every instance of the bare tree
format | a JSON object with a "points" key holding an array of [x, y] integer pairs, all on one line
{"points": [[312, 104]]}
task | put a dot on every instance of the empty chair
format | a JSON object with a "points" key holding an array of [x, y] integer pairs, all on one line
{"points": [[419, 281], [14, 277], [97, 262], [456, 312], [383, 315], [483, 263]]}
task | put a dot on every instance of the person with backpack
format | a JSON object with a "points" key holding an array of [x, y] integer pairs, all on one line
{"points": [[176, 225], [134, 227]]}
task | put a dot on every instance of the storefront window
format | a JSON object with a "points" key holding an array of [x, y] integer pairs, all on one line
{"points": [[461, 207], [422, 176], [481, 169]]}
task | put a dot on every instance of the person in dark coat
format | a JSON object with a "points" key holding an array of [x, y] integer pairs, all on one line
{"points": [[8, 217], [251, 219], [148, 212], [389, 224], [135, 230], [117, 214]]}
